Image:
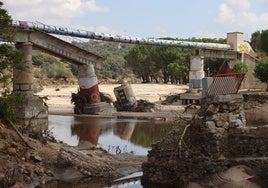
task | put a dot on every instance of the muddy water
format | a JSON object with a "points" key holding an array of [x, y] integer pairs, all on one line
{"points": [[113, 134], [116, 135]]}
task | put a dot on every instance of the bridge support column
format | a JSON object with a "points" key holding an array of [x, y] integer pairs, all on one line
{"points": [[31, 112], [23, 79], [89, 89], [196, 73]]}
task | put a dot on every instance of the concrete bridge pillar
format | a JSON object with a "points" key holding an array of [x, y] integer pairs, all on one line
{"points": [[31, 112], [89, 89], [88, 83], [23, 79], [196, 73]]}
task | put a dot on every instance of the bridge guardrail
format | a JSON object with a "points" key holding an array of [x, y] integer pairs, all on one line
{"points": [[223, 84]]}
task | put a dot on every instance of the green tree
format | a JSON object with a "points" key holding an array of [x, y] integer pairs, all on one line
{"points": [[264, 41], [5, 25], [164, 55], [240, 67], [261, 71], [139, 60], [9, 58], [255, 41]]}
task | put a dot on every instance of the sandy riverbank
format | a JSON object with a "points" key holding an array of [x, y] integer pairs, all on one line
{"points": [[59, 96]]}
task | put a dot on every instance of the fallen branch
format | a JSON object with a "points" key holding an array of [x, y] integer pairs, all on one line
{"points": [[181, 138], [20, 135]]}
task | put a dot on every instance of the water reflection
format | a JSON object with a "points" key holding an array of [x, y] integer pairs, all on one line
{"points": [[87, 132], [114, 135]]}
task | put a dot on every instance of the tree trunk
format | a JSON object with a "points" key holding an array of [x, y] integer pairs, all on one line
{"points": [[84, 163]]}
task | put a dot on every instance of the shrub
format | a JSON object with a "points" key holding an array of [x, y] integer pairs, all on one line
{"points": [[261, 71], [57, 70], [7, 103], [240, 67]]}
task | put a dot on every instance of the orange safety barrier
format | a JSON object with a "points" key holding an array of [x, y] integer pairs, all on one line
{"points": [[224, 84]]}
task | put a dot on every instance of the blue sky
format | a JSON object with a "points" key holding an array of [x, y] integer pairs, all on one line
{"points": [[148, 18]]}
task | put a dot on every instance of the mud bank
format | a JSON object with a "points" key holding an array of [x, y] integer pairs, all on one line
{"points": [[30, 162]]}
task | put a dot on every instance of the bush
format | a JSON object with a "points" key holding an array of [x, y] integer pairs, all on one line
{"points": [[7, 103], [57, 70], [240, 67], [261, 71]]}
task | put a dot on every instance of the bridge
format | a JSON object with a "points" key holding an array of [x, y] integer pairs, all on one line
{"points": [[41, 36]]}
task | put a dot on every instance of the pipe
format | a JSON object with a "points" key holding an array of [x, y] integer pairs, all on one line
{"points": [[116, 38]]}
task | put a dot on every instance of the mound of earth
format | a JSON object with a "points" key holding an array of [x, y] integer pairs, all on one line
{"points": [[25, 161]]}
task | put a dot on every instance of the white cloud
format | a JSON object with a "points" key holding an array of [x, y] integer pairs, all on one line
{"points": [[245, 19], [237, 13], [51, 11], [226, 14], [264, 20], [264, 1], [93, 7], [239, 4]]}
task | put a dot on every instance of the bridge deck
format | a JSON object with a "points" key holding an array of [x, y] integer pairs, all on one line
{"points": [[57, 47]]}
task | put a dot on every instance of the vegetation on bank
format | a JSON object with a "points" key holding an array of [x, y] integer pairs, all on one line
{"points": [[261, 71], [10, 58]]}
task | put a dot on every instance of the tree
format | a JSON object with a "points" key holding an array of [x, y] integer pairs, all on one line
{"points": [[9, 56], [5, 25], [261, 71], [264, 41], [255, 41], [240, 67], [140, 61], [259, 41], [177, 72], [164, 55]]}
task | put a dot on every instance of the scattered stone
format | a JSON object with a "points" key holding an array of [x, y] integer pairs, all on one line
{"points": [[37, 158], [216, 140], [106, 97], [11, 151], [141, 106], [49, 173], [40, 171], [171, 99]]}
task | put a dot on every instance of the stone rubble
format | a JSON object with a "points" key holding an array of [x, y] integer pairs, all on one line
{"points": [[217, 139]]}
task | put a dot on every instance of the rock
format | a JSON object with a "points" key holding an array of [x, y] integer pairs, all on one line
{"points": [[211, 126], [11, 151], [106, 97], [212, 109], [221, 119], [49, 173], [37, 158], [262, 131], [27, 155], [40, 171], [235, 123]]}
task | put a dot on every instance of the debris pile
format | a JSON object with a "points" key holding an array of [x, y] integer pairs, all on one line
{"points": [[141, 106], [217, 139]]}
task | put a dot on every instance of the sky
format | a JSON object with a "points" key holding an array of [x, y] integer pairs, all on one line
{"points": [[147, 18]]}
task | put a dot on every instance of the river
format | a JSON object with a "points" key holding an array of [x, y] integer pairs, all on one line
{"points": [[116, 135]]}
